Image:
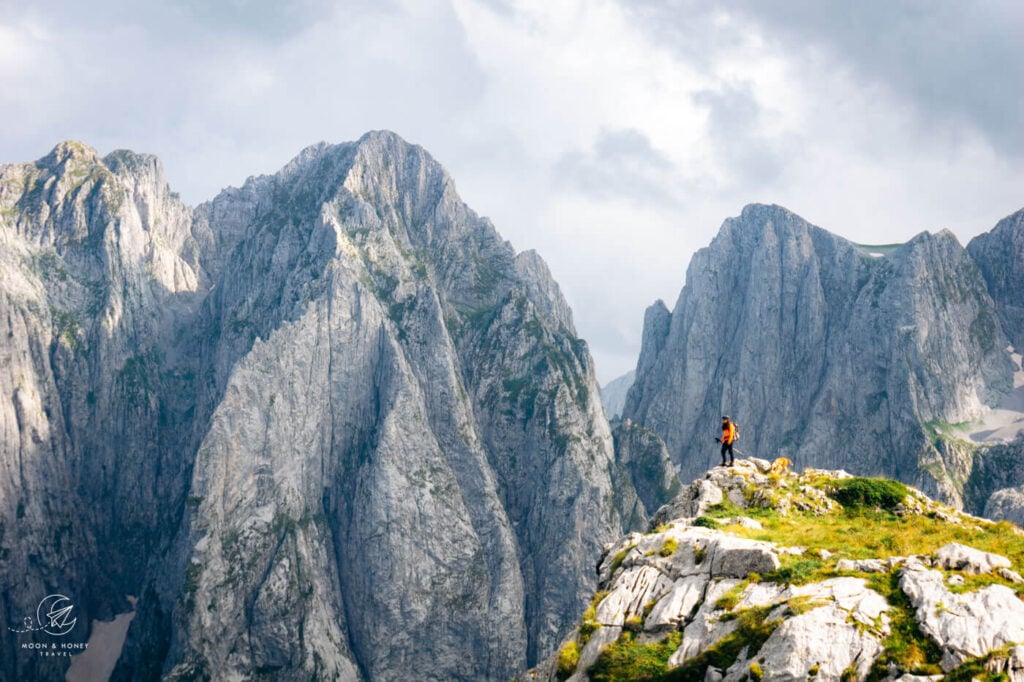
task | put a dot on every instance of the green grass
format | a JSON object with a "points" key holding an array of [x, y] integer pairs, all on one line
{"points": [[705, 522], [568, 657], [798, 571], [975, 669], [906, 646], [626, 660], [619, 558]]}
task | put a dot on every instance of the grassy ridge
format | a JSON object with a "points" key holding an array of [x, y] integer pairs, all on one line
{"points": [[872, 518]]}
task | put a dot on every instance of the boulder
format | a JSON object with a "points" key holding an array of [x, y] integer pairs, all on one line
{"points": [[957, 557], [733, 557], [963, 625]]}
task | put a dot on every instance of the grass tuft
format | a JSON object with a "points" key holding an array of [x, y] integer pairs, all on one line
{"points": [[626, 660], [568, 658]]}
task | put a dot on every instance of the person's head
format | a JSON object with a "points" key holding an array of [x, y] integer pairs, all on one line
{"points": [[725, 420]]}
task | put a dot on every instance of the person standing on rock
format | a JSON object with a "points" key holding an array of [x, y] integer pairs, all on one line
{"points": [[729, 434]]}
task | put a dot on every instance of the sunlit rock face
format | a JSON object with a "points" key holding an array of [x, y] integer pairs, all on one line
{"points": [[328, 424]]}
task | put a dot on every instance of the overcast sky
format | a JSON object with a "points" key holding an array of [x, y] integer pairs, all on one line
{"points": [[613, 137]]}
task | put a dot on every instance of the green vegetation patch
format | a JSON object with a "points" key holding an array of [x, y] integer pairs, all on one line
{"points": [[906, 646], [619, 558], [870, 492], [568, 657], [798, 571], [626, 660], [976, 669]]}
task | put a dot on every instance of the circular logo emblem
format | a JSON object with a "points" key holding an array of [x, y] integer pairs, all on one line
{"points": [[54, 615]]}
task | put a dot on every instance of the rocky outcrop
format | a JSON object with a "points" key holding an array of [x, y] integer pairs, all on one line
{"points": [[327, 425], [967, 625], [832, 354], [695, 599]]}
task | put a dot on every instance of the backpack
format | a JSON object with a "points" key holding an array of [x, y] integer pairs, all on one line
{"points": [[735, 431]]}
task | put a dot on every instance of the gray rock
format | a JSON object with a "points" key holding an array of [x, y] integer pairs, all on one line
{"points": [[822, 637], [733, 557], [963, 625], [958, 557], [1010, 575], [863, 565], [644, 466], [1008, 504], [599, 639]]}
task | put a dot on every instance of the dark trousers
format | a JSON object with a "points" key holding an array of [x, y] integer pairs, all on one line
{"points": [[727, 447]]}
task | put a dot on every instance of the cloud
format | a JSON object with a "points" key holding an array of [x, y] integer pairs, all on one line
{"points": [[735, 129], [614, 136], [622, 163], [955, 62]]}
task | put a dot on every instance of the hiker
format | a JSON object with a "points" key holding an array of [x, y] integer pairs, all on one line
{"points": [[727, 439]]}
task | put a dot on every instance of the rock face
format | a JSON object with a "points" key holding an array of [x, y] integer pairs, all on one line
{"points": [[689, 602], [645, 467], [1000, 256], [832, 354], [326, 425]]}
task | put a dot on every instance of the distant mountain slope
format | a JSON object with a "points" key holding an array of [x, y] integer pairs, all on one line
{"points": [[613, 394]]}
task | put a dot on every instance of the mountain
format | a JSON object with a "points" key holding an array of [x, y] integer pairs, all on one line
{"points": [[1000, 256], [882, 360], [751, 574], [326, 425], [613, 394]]}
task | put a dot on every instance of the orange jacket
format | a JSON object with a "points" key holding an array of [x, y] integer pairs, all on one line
{"points": [[728, 433]]}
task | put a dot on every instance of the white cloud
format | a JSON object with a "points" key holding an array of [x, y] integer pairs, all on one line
{"points": [[614, 137]]}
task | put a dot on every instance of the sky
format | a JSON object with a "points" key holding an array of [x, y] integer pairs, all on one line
{"points": [[612, 136]]}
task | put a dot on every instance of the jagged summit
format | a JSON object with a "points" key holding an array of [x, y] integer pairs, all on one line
{"points": [[68, 151], [751, 574]]}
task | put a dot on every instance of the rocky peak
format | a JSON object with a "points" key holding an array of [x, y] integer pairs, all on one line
{"points": [[810, 341], [69, 153]]}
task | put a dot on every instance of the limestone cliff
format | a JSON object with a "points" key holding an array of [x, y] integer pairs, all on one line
{"points": [[328, 424], [1000, 256], [833, 354]]}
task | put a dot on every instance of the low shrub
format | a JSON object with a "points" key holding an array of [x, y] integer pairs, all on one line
{"points": [[854, 493]]}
